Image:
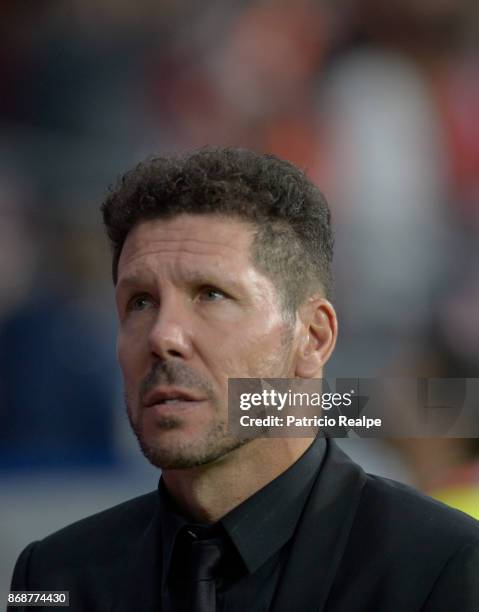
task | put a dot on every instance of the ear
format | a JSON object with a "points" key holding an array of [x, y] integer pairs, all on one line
{"points": [[317, 337]]}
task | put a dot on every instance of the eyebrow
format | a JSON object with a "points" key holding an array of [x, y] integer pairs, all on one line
{"points": [[198, 277], [128, 281]]}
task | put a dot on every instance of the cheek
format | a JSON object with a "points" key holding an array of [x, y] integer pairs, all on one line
{"points": [[271, 344], [227, 358], [247, 351], [129, 355]]}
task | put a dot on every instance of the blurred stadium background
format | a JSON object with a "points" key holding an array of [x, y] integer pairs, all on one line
{"points": [[378, 101]]}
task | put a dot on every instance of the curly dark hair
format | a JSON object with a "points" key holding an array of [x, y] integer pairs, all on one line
{"points": [[293, 242]]}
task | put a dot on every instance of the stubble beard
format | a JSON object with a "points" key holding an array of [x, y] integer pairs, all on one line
{"points": [[213, 444], [184, 454]]}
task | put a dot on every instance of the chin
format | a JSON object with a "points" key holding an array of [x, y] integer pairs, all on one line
{"points": [[179, 451]]}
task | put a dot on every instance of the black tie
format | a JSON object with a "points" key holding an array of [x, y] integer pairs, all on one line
{"points": [[204, 559]]}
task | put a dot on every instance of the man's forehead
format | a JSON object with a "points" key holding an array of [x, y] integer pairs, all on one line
{"points": [[202, 236]]}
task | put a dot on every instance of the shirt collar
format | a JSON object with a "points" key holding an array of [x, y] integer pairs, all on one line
{"points": [[264, 522]]}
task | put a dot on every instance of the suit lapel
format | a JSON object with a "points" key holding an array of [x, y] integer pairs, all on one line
{"points": [[317, 550], [139, 583], [321, 535]]}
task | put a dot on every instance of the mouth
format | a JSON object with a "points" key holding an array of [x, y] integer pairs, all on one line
{"points": [[171, 396]]}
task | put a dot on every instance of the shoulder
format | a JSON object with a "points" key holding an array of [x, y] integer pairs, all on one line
{"points": [[130, 516], [405, 549], [405, 532], [91, 557], [393, 514], [400, 508], [103, 534]]}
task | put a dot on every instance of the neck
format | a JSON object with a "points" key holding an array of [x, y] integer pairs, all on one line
{"points": [[206, 493]]}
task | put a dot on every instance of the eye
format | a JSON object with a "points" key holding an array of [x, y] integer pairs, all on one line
{"points": [[139, 303], [211, 294]]}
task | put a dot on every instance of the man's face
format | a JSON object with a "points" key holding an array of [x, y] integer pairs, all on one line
{"points": [[193, 312]]}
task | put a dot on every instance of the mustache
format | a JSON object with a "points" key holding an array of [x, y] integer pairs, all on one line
{"points": [[175, 374]]}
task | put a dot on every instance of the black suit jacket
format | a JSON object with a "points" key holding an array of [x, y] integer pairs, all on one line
{"points": [[363, 544]]}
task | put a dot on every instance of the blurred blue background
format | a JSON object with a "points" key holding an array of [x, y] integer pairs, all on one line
{"points": [[377, 101]]}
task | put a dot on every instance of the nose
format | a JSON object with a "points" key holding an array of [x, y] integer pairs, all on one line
{"points": [[170, 334]]}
